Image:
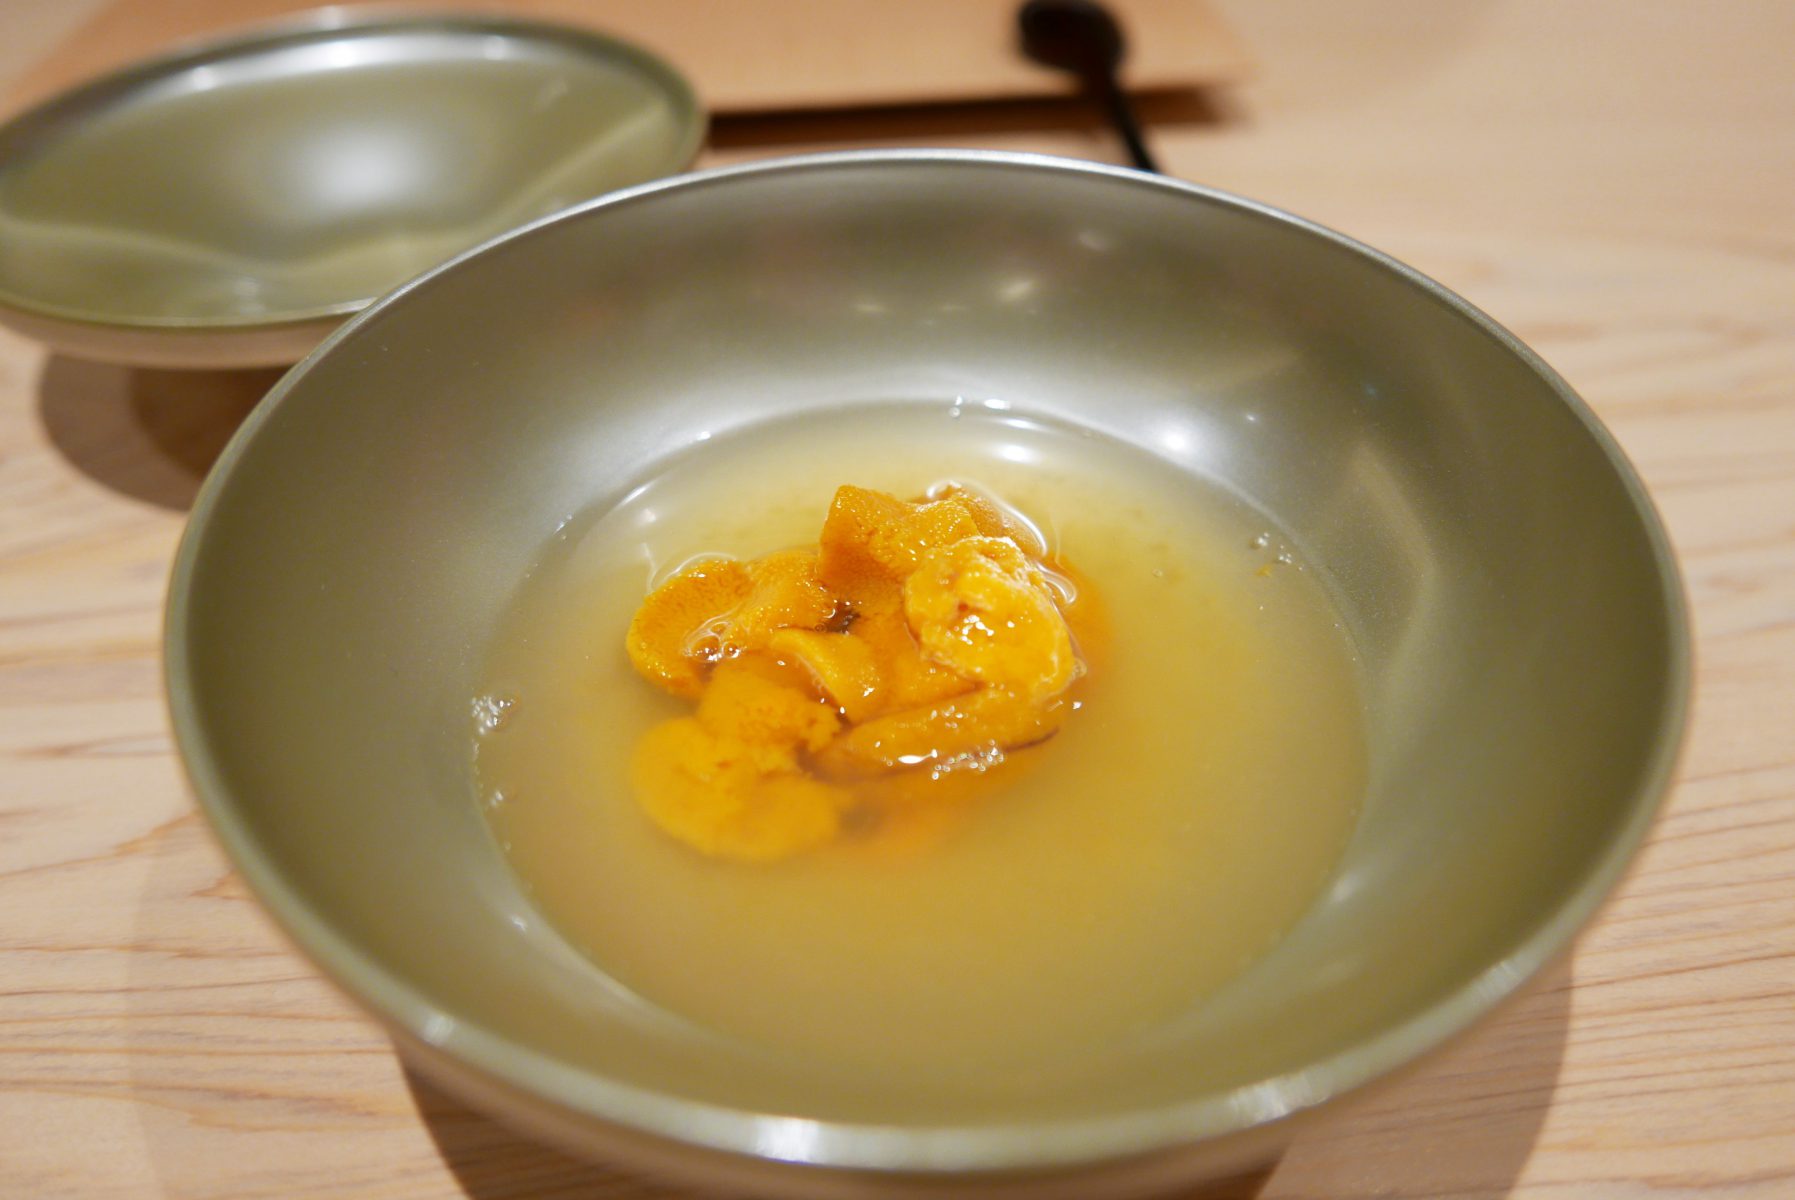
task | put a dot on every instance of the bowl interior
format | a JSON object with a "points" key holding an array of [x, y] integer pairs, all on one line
{"points": [[304, 171], [1506, 585]]}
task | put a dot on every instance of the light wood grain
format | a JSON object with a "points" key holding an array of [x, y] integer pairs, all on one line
{"points": [[1614, 182]]}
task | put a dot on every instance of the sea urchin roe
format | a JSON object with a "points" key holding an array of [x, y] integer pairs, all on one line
{"points": [[660, 641], [981, 608], [918, 637], [707, 791]]}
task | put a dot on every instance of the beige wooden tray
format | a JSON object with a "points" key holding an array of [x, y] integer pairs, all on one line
{"points": [[745, 55]]}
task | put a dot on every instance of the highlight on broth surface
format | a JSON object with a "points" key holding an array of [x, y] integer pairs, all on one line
{"points": [[838, 687]]}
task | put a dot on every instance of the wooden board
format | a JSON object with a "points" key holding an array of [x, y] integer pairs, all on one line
{"points": [[748, 55]]}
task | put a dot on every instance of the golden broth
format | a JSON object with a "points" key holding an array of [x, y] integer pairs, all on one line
{"points": [[1166, 838]]}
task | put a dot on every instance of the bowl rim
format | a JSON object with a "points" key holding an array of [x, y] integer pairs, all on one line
{"points": [[974, 1147], [77, 101]]}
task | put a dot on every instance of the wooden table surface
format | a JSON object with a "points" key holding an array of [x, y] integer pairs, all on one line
{"points": [[1615, 182]]}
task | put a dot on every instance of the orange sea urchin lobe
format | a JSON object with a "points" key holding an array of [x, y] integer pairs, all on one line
{"points": [[920, 638]]}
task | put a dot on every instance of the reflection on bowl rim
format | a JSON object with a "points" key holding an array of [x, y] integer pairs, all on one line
{"points": [[1059, 1143], [74, 101]]}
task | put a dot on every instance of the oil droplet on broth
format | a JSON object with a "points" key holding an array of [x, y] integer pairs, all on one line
{"points": [[1171, 838]]}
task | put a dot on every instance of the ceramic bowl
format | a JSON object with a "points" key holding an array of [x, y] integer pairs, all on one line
{"points": [[230, 204]]}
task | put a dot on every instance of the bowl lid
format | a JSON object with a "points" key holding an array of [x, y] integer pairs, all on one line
{"points": [[290, 176]]}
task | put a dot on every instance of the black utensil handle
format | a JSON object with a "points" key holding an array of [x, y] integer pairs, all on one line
{"points": [[1121, 114]]}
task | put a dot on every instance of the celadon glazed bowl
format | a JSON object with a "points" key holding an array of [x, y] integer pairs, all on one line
{"points": [[1508, 587], [231, 203]]}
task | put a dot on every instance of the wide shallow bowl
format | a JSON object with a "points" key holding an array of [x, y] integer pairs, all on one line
{"points": [[1510, 592], [231, 204]]}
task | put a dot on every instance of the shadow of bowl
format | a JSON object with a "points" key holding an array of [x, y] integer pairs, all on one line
{"points": [[146, 433]]}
